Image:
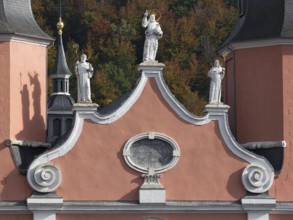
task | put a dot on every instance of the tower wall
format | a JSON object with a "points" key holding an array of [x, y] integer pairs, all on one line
{"points": [[259, 90], [23, 107], [254, 90], [4, 91], [28, 91]]}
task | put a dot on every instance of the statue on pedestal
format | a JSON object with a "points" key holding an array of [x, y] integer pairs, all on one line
{"points": [[153, 34], [84, 71], [216, 74]]}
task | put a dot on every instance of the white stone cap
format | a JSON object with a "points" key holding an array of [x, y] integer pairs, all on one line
{"points": [[216, 108], [85, 107], [258, 203], [44, 203]]}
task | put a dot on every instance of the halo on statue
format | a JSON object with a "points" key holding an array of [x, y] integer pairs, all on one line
{"points": [[156, 12], [225, 54]]}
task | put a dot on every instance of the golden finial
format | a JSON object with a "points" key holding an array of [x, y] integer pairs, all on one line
{"points": [[60, 26]]}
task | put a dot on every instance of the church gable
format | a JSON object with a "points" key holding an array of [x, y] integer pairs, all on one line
{"points": [[168, 144]]}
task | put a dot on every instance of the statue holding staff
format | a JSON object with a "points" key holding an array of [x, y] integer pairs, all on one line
{"points": [[84, 71], [216, 74]]}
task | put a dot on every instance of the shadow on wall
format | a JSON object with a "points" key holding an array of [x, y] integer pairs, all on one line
{"points": [[14, 187], [32, 128], [137, 179], [233, 188]]}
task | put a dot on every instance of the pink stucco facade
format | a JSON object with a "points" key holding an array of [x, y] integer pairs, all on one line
{"points": [[95, 168], [23, 108], [262, 100]]}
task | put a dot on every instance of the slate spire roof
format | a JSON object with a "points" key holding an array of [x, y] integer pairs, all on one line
{"points": [[262, 19], [60, 103], [16, 18], [61, 67], [60, 99]]}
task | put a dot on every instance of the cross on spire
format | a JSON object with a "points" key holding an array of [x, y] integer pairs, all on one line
{"points": [[60, 7]]}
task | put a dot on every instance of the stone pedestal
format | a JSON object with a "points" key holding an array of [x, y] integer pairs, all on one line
{"points": [[152, 195], [151, 191], [44, 206], [258, 207], [151, 67]]}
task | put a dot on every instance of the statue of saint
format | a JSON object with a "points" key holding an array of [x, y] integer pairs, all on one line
{"points": [[153, 33], [216, 74], [84, 71]]}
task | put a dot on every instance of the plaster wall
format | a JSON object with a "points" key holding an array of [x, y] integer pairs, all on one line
{"points": [[13, 186], [16, 217], [264, 103], [229, 91], [281, 217], [95, 168], [4, 111], [160, 216], [28, 91], [258, 94], [283, 184], [4, 91]]}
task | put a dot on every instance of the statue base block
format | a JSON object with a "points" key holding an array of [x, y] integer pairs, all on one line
{"points": [[85, 107], [152, 196], [216, 108]]}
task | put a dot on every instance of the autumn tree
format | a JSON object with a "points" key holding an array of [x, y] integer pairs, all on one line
{"points": [[110, 33]]}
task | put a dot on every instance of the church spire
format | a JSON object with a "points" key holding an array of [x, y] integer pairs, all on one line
{"points": [[62, 73], [60, 103]]}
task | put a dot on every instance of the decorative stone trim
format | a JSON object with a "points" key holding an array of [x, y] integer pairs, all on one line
{"points": [[151, 136], [26, 39], [204, 206], [258, 208], [254, 44], [44, 207], [257, 177], [45, 178], [213, 113], [160, 147]]}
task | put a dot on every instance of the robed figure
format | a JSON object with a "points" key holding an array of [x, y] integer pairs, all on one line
{"points": [[152, 34], [84, 71], [216, 74]]}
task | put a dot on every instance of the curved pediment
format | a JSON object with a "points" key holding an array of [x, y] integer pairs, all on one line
{"points": [[152, 108]]}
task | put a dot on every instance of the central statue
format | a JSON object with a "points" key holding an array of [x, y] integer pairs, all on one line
{"points": [[152, 34]]}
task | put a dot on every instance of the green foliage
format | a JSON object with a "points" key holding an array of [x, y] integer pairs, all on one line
{"points": [[181, 7], [110, 33]]}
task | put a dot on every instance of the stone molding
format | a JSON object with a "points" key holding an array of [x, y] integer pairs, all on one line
{"points": [[213, 113], [254, 44], [151, 135], [258, 165], [26, 39], [45, 177], [81, 206]]}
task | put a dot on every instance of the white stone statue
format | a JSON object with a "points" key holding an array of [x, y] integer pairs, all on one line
{"points": [[216, 74], [152, 34], [84, 71]]}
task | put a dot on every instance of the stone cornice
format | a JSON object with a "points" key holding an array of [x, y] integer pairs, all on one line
{"points": [[26, 39], [254, 44], [98, 207]]}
